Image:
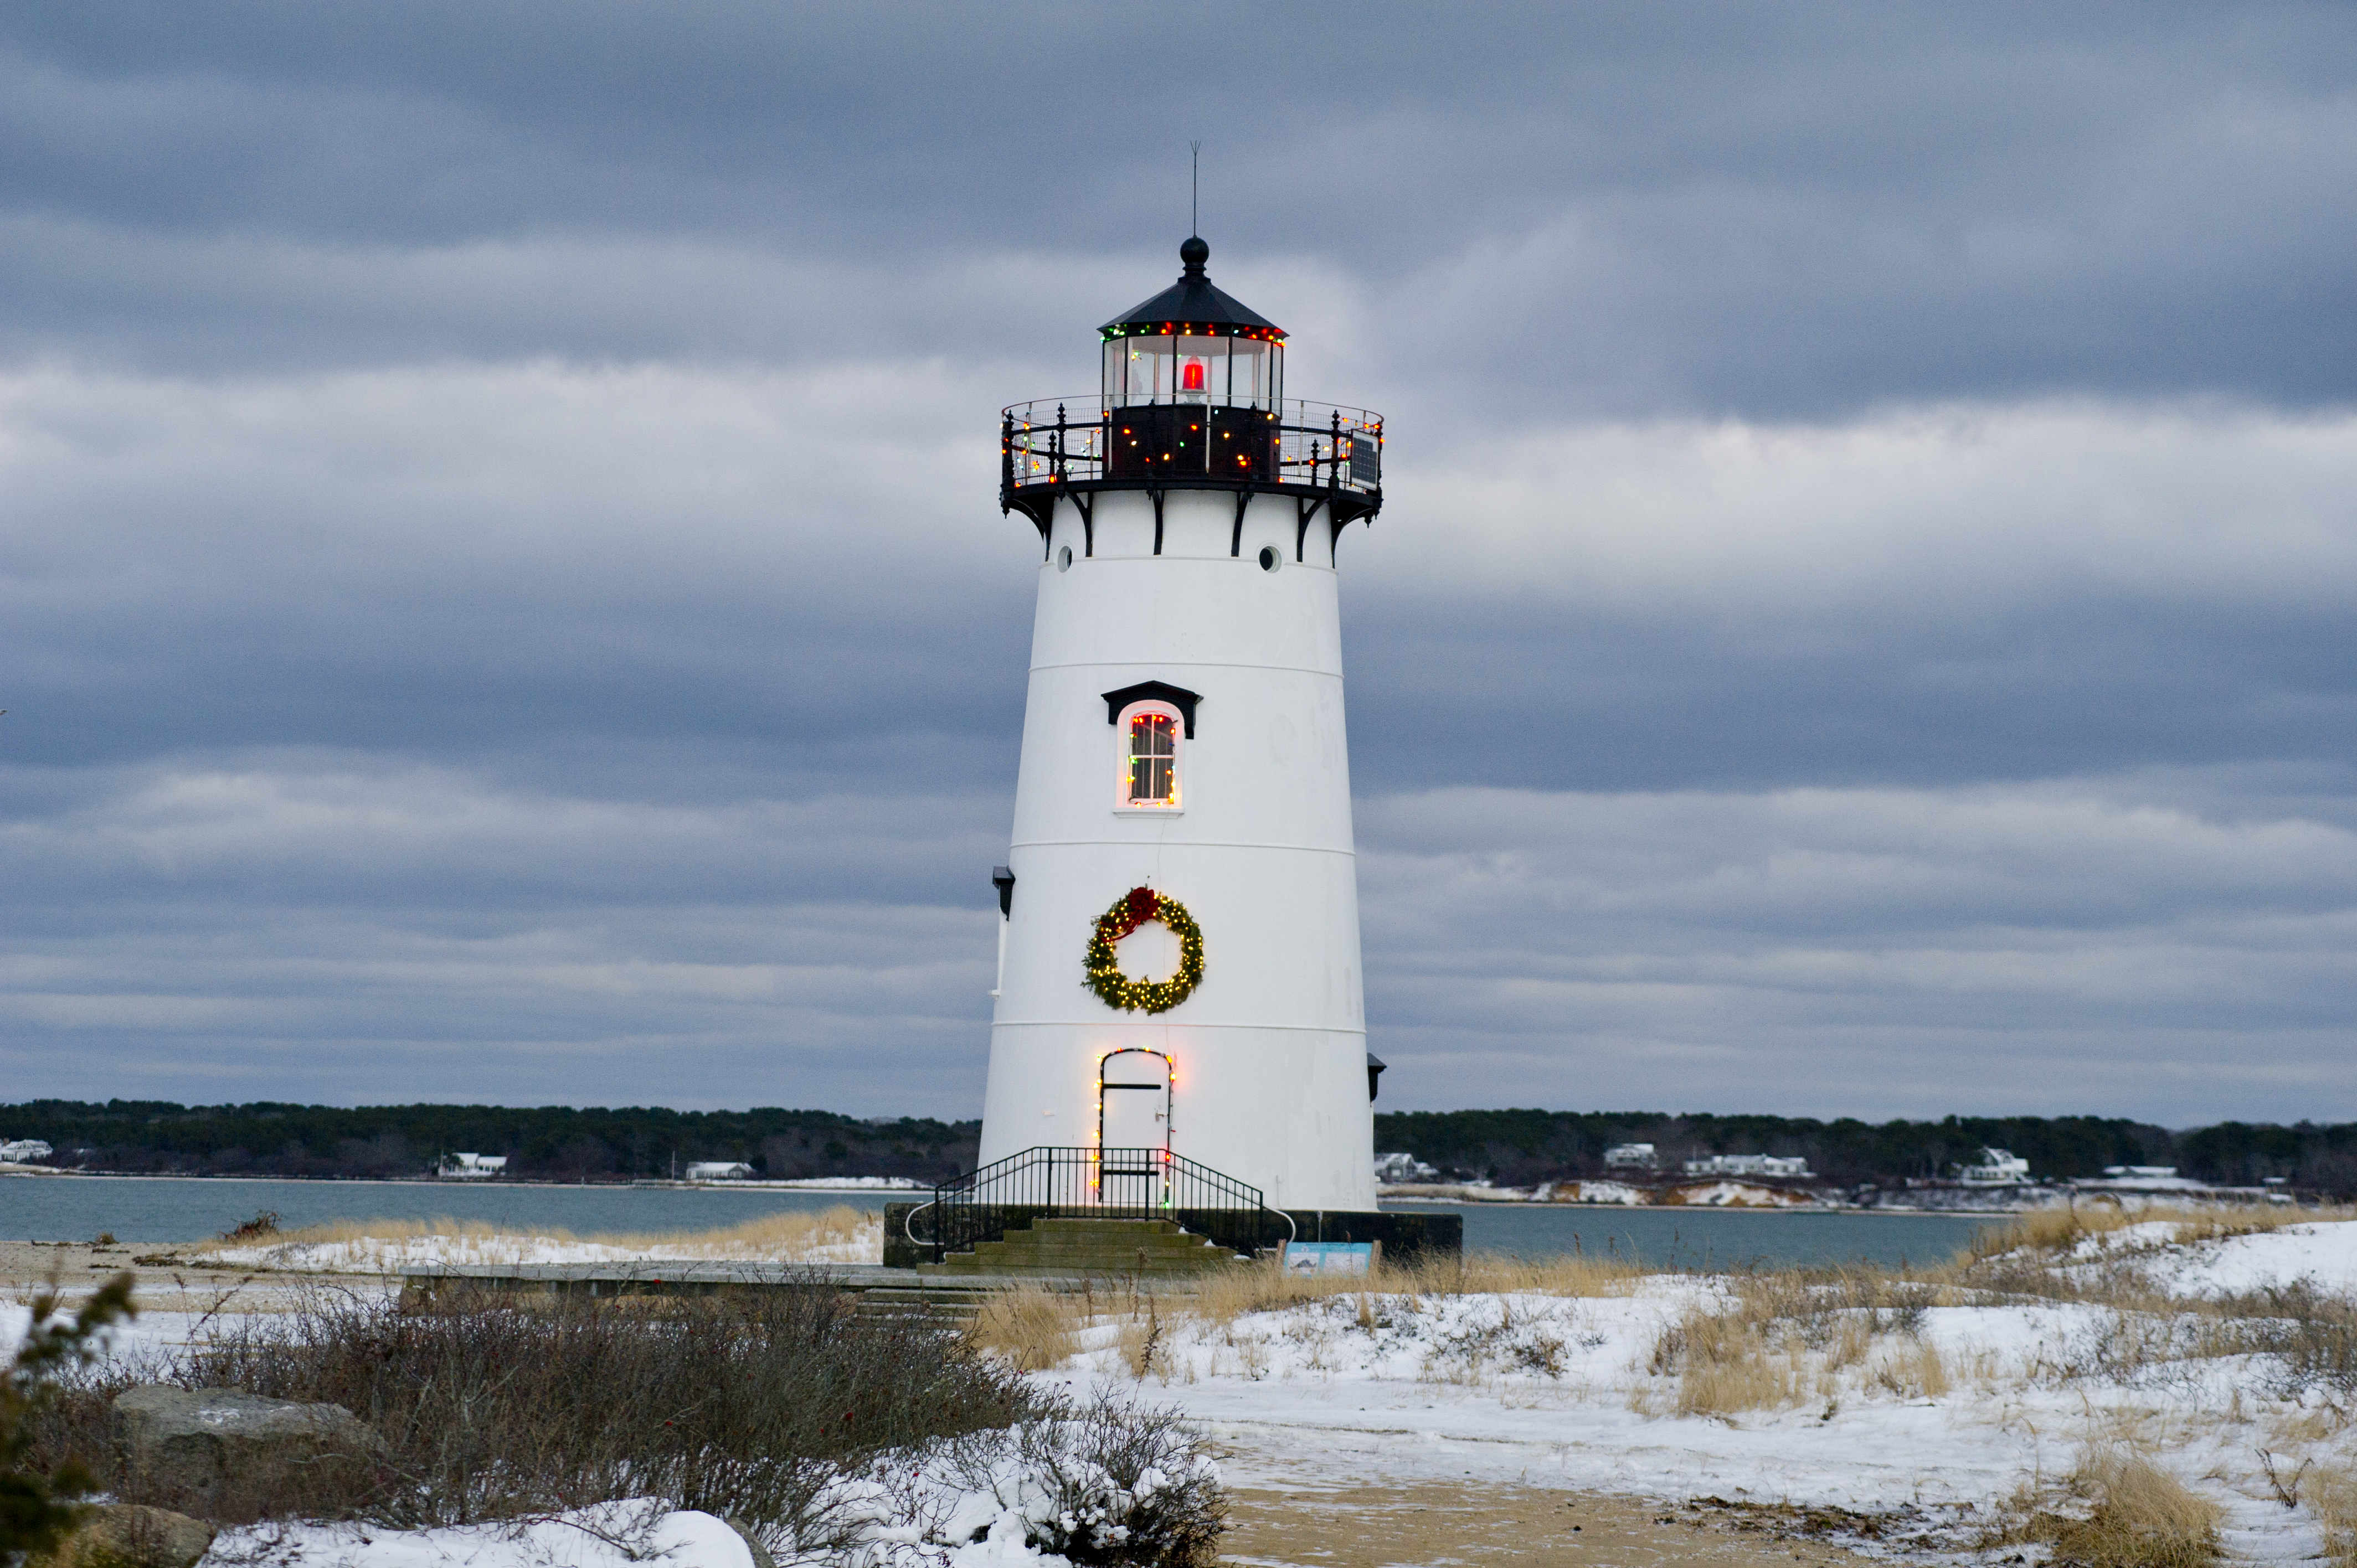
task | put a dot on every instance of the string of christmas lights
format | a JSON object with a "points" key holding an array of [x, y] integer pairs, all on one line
{"points": [[1129, 911]]}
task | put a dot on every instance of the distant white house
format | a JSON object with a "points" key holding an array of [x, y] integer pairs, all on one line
{"points": [[1404, 1167], [1631, 1157], [473, 1167], [2147, 1173], [1995, 1167], [1394, 1170], [1747, 1165], [21, 1149], [718, 1170]]}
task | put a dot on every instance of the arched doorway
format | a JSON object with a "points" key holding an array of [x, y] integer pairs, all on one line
{"points": [[1133, 1128]]}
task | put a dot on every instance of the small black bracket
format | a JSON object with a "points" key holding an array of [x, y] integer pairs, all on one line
{"points": [[1156, 494], [1086, 505], [1004, 880], [1375, 1062], [1178, 697], [1339, 522], [1307, 508], [1236, 539]]}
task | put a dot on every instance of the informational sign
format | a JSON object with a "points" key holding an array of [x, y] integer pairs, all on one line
{"points": [[1329, 1257]]}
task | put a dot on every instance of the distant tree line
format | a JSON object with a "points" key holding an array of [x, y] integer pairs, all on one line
{"points": [[548, 1142], [1520, 1147], [1517, 1147]]}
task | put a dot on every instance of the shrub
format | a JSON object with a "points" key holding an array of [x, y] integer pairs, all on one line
{"points": [[2315, 1336], [264, 1224], [500, 1408], [41, 1493], [1110, 1483]]}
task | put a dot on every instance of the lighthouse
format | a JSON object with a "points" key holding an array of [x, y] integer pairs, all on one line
{"points": [[1178, 1007]]}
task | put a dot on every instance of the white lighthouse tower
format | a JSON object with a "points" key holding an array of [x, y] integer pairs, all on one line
{"points": [[1179, 996]]}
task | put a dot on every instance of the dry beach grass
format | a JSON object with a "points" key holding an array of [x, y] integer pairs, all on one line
{"points": [[2163, 1403], [2332, 1493], [793, 1236], [1034, 1327], [2151, 1406]]}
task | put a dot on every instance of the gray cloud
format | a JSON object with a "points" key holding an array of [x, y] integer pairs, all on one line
{"points": [[498, 581], [1814, 210], [2000, 949]]}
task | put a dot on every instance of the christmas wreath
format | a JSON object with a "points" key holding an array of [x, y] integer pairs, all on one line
{"points": [[1129, 911]]}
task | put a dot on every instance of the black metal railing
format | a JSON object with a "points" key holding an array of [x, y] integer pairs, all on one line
{"points": [[1097, 1184], [1292, 444]]}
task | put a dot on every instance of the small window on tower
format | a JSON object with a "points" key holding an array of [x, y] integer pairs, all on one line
{"points": [[1152, 776]]}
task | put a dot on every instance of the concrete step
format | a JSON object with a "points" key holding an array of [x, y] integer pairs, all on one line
{"points": [[1182, 1246], [1088, 1247], [1085, 1263], [1156, 1246], [1112, 1267], [941, 1303]]}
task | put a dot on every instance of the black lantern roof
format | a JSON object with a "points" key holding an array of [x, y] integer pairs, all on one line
{"points": [[1192, 305]]}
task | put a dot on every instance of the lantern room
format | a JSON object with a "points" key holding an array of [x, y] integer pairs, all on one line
{"points": [[1192, 382], [1192, 397], [1193, 344]]}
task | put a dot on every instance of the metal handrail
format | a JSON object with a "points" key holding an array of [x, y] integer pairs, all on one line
{"points": [[1054, 1181], [1065, 441]]}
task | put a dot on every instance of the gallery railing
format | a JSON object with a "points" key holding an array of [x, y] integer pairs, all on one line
{"points": [[1097, 1184], [1293, 445]]}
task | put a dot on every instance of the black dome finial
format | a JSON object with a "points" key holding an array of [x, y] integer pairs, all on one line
{"points": [[1194, 253]]}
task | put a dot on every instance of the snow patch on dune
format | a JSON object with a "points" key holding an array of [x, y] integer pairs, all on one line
{"points": [[377, 1254], [2323, 1256]]}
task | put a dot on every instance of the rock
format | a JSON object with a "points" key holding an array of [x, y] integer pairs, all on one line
{"points": [[762, 1558], [123, 1535], [234, 1455]]}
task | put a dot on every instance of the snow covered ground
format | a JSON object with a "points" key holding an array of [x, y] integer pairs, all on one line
{"points": [[954, 1523], [971, 1504], [609, 1537], [1944, 1417]]}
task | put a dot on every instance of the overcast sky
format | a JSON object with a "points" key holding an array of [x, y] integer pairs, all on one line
{"points": [[502, 598]]}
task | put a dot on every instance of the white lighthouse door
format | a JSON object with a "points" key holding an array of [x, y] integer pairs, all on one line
{"points": [[1133, 1128]]}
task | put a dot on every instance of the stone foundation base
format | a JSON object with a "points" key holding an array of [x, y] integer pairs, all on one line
{"points": [[1406, 1238]]}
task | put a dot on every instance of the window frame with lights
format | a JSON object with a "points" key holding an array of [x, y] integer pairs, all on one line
{"points": [[1126, 728]]}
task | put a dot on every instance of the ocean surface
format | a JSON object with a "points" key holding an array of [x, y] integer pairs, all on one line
{"points": [[159, 1209], [1713, 1239]]}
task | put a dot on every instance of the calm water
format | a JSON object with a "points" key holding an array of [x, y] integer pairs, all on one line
{"points": [[1715, 1239], [147, 1210]]}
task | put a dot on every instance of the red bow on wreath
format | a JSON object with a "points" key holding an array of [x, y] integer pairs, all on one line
{"points": [[1129, 911]]}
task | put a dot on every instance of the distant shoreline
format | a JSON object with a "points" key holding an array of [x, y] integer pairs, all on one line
{"points": [[848, 1185], [512, 1184]]}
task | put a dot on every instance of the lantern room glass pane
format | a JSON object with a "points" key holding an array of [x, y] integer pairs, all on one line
{"points": [[1248, 371], [1192, 367]]}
